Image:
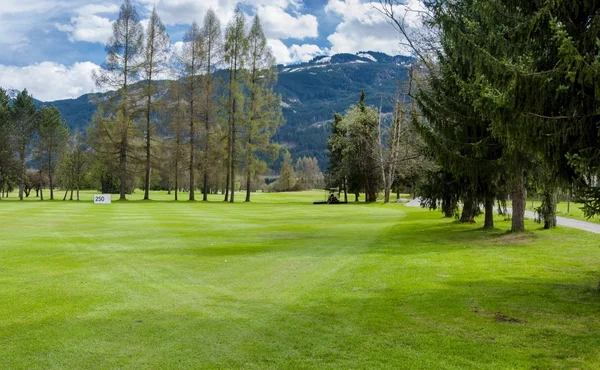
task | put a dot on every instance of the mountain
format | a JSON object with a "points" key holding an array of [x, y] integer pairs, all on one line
{"points": [[311, 92], [12, 93]]}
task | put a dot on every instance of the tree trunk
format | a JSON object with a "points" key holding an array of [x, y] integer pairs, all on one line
{"points": [[22, 177], [233, 133], [518, 196], [345, 190], [50, 177], [448, 207], [489, 212], [192, 179], [469, 210], [123, 168], [248, 184], [386, 196], [550, 209], [147, 179]]}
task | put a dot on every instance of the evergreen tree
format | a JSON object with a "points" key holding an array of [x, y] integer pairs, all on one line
{"points": [[8, 162], [24, 128], [336, 144], [287, 176], [362, 152], [52, 139]]}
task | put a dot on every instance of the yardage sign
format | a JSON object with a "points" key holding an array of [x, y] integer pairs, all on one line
{"points": [[102, 199]]}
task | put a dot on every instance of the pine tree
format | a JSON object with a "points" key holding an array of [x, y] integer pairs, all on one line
{"points": [[24, 128], [287, 176], [8, 162], [53, 134]]}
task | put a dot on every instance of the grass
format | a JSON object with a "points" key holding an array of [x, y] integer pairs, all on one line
{"points": [[280, 283]]}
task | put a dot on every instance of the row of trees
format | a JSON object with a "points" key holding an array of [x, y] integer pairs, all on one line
{"points": [[367, 155], [507, 101], [204, 122], [29, 134]]}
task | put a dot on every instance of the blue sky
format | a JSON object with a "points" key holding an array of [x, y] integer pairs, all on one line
{"points": [[51, 47]]}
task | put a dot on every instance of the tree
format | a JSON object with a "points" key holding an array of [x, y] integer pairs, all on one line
{"points": [[8, 162], [287, 176], [362, 152], [211, 32], [122, 66], [336, 144], [52, 138], [24, 128], [190, 61], [400, 147], [308, 173], [73, 165], [262, 108], [459, 127], [175, 121], [155, 62], [235, 50]]}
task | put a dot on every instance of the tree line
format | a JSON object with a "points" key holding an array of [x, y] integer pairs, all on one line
{"points": [[506, 103], [199, 114], [368, 155]]}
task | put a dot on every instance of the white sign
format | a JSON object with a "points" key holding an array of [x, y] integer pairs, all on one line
{"points": [[102, 199]]}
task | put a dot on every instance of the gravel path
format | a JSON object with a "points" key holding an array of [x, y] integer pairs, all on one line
{"points": [[561, 221]]}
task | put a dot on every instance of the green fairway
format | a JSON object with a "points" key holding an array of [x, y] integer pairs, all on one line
{"points": [[281, 283]]}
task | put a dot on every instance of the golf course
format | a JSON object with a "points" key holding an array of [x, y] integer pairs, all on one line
{"points": [[280, 283]]}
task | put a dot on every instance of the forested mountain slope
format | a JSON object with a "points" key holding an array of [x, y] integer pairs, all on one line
{"points": [[311, 92]]}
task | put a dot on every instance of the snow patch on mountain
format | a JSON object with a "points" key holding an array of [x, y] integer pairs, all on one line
{"points": [[367, 56], [324, 60]]}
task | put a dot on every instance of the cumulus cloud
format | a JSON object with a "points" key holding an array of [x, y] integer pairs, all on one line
{"points": [[295, 53], [48, 81], [88, 25], [364, 27], [279, 24]]}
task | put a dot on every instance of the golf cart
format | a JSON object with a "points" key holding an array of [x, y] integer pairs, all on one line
{"points": [[330, 197]]}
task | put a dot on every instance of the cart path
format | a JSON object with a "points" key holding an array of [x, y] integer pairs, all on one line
{"points": [[561, 221], [569, 222]]}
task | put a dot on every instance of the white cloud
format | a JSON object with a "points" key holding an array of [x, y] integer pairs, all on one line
{"points": [[48, 81], [295, 53], [364, 27], [88, 25], [279, 24]]}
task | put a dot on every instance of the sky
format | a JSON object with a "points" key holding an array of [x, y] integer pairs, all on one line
{"points": [[52, 47]]}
